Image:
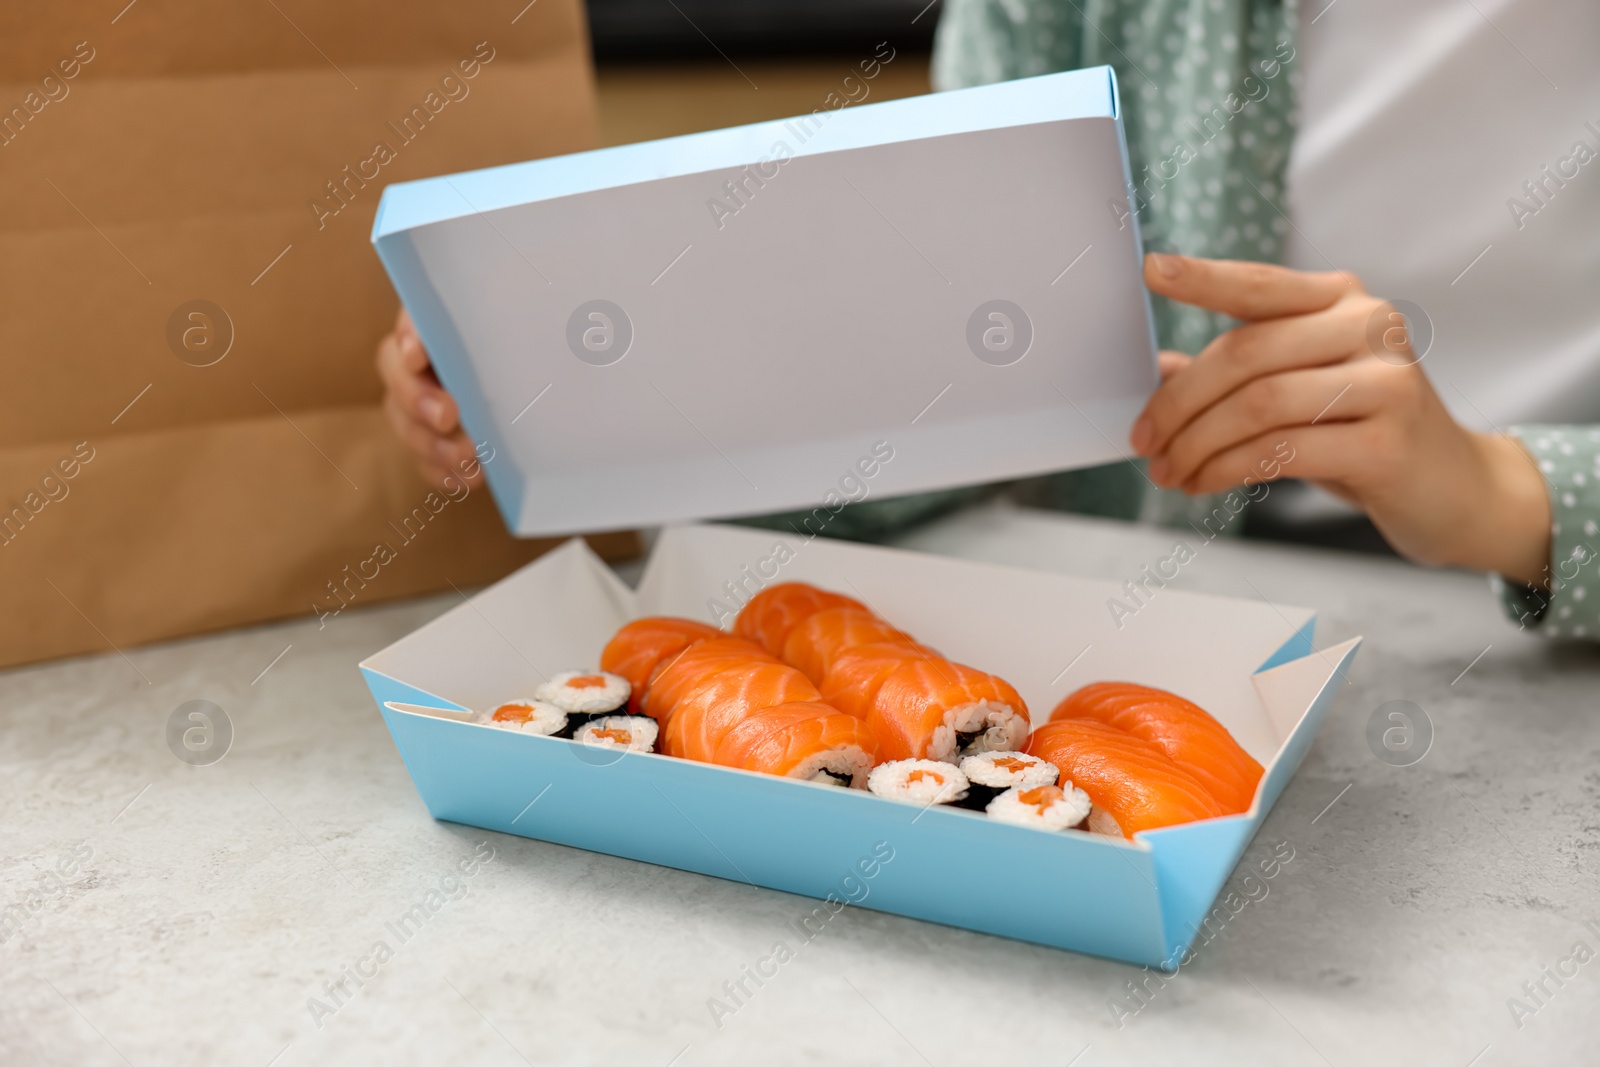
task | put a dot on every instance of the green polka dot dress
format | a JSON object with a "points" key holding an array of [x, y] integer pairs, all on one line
{"points": [[1208, 91]]}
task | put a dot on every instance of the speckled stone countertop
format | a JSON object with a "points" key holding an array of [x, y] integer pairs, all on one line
{"points": [[154, 913]]}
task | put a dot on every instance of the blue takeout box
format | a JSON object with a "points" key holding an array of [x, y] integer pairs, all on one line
{"points": [[1248, 662]]}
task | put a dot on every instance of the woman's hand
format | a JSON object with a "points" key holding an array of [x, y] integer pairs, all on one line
{"points": [[421, 412], [1323, 372]]}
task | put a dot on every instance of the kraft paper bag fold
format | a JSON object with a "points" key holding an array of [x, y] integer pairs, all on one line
{"points": [[192, 437]]}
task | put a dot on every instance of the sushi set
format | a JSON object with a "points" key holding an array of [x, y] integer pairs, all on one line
{"points": [[1129, 802], [813, 685], [753, 711]]}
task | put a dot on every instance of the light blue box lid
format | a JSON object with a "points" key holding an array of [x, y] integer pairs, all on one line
{"points": [[714, 325]]}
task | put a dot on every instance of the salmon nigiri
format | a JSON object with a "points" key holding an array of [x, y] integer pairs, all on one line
{"points": [[676, 676], [725, 698], [804, 740], [769, 615], [1183, 730], [816, 643], [934, 709], [1129, 779], [636, 650], [853, 681]]}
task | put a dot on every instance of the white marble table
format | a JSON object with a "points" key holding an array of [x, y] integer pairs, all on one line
{"points": [[196, 910]]}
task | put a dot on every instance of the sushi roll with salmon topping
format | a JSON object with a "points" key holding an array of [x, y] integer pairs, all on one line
{"points": [[936, 709], [587, 693], [1187, 733], [1131, 781], [675, 677], [923, 782], [806, 740], [992, 773], [637, 650], [636, 733], [1044, 807], [723, 698], [529, 716], [815, 644], [853, 681], [769, 616]]}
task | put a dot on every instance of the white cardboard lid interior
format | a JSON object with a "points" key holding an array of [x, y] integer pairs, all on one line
{"points": [[943, 278]]}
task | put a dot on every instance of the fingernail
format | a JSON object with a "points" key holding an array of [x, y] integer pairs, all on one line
{"points": [[1159, 470], [1166, 266], [432, 409], [1139, 436]]}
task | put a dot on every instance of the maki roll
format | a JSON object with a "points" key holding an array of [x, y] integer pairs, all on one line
{"points": [[586, 695], [923, 782], [1045, 807], [528, 716], [636, 733], [992, 773]]}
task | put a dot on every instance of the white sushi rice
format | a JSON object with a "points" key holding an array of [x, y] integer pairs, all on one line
{"points": [[585, 692], [1006, 770], [998, 728], [918, 781], [1101, 822], [527, 715], [1042, 807], [609, 732], [845, 766]]}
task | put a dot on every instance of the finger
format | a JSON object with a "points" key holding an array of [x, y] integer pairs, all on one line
{"points": [[1251, 351], [453, 463], [1277, 401], [400, 356], [1326, 452], [1248, 291], [456, 453], [403, 323], [437, 454], [422, 440], [1169, 362], [417, 392]]}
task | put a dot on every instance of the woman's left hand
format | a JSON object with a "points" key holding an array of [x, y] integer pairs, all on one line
{"points": [[1323, 373]]}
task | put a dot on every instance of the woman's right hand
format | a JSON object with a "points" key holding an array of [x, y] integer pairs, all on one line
{"points": [[423, 415]]}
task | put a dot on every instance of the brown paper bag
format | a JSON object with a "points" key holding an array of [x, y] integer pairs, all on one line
{"points": [[191, 436]]}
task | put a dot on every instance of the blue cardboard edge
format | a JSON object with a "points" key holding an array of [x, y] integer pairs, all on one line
{"points": [[1087, 93]]}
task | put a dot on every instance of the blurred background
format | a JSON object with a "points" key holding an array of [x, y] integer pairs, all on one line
{"points": [[658, 72]]}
